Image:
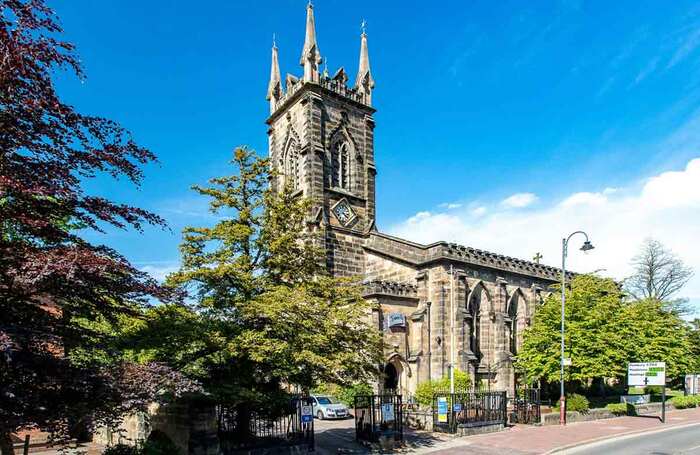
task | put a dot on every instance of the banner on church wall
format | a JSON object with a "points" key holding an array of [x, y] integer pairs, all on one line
{"points": [[395, 320]]}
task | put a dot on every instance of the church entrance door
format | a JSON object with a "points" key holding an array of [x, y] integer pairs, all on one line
{"points": [[391, 377]]}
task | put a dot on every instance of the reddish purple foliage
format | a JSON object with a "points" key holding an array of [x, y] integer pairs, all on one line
{"points": [[49, 275]]}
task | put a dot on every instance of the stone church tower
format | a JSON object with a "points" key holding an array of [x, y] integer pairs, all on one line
{"points": [[321, 141], [440, 306]]}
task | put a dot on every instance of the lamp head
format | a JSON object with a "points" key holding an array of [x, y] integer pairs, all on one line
{"points": [[587, 246]]}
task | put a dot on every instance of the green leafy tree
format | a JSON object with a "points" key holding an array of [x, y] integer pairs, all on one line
{"points": [[264, 313], [655, 333], [694, 337], [594, 308], [603, 334]]}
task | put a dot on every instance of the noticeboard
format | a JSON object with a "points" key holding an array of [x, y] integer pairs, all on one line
{"points": [[388, 412], [442, 409]]}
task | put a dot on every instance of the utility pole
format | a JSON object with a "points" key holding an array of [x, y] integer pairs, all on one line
{"points": [[452, 330]]}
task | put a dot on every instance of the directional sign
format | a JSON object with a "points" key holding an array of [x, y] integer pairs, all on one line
{"points": [[646, 373]]}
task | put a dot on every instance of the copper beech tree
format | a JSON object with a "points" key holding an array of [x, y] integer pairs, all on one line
{"points": [[55, 286]]}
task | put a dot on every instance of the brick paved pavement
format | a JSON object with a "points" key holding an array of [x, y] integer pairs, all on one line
{"points": [[527, 440]]}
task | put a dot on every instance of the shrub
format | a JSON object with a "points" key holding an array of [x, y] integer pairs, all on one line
{"points": [[622, 409], [683, 402], [157, 444], [344, 394], [618, 409], [652, 390], [121, 449], [426, 389], [577, 402], [347, 395]]}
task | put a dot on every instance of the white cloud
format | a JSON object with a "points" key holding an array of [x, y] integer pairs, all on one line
{"points": [[519, 200], [160, 270], [450, 205], [665, 206], [479, 211]]}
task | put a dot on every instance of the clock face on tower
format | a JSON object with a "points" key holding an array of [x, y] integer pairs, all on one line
{"points": [[343, 212]]}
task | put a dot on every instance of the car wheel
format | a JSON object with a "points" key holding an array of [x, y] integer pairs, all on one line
{"points": [[319, 415]]}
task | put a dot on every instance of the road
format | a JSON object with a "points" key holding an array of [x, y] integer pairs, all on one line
{"points": [[684, 440]]}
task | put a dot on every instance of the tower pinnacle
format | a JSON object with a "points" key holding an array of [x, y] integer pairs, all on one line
{"points": [[274, 88], [364, 82], [310, 55]]}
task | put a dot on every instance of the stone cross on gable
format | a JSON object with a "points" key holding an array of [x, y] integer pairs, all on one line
{"points": [[537, 258]]}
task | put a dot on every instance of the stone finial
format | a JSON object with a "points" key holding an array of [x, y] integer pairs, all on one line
{"points": [[310, 55], [364, 82], [274, 88]]}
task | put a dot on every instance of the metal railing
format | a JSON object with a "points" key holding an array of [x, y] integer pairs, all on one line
{"points": [[243, 427], [378, 415], [526, 406], [468, 409]]}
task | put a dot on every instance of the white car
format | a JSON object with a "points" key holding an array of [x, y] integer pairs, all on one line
{"points": [[326, 407]]}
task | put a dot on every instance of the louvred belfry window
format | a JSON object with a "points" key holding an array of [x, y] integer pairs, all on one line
{"points": [[340, 163]]}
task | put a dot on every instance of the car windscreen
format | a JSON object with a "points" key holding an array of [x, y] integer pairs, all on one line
{"points": [[324, 400]]}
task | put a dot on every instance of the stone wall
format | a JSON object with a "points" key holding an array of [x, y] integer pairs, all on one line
{"points": [[192, 427], [602, 413]]}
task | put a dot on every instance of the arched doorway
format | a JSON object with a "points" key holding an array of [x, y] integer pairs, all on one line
{"points": [[391, 377]]}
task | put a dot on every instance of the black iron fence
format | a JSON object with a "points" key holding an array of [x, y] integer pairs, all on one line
{"points": [[526, 406], [378, 416], [242, 427], [468, 409]]}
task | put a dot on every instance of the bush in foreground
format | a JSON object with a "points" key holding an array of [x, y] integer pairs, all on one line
{"points": [[621, 409], [426, 389], [684, 402]]}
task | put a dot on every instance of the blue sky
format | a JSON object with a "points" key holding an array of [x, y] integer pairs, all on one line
{"points": [[479, 103]]}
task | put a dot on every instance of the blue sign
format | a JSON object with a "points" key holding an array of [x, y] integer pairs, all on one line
{"points": [[442, 409], [307, 414], [457, 407], [396, 320]]}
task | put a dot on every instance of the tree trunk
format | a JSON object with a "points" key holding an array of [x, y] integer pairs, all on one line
{"points": [[6, 447]]}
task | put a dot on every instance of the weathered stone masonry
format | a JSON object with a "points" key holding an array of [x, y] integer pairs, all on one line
{"points": [[321, 141]]}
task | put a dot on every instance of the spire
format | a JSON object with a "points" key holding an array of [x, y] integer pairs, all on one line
{"points": [[364, 82], [310, 55], [274, 89]]}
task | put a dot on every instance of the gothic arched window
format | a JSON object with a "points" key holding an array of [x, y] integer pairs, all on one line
{"points": [[513, 316], [340, 165], [516, 315], [290, 166], [474, 310]]}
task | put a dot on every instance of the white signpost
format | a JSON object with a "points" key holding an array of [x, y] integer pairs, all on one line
{"points": [[642, 374], [646, 373]]}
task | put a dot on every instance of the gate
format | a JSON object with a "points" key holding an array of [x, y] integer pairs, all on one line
{"points": [[243, 428], [468, 409], [378, 416], [526, 407]]}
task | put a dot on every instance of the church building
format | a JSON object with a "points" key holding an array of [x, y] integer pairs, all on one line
{"points": [[438, 305]]}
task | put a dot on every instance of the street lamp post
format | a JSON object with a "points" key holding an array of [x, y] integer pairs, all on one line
{"points": [[587, 246]]}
